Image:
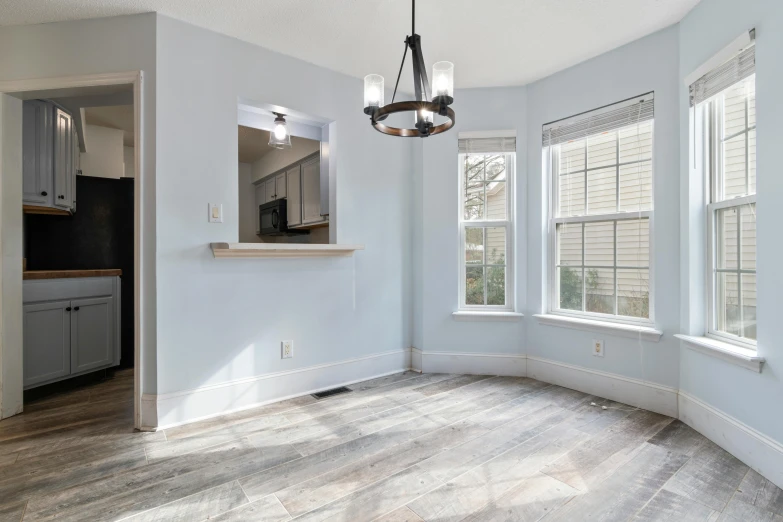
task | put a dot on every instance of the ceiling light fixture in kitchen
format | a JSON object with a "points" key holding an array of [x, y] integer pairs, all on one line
{"points": [[280, 138]]}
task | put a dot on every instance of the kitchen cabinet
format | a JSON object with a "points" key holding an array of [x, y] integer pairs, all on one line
{"points": [[280, 188], [270, 190], [260, 200], [311, 192], [50, 156], [63, 159], [294, 191], [91, 333], [47, 342], [71, 327]]}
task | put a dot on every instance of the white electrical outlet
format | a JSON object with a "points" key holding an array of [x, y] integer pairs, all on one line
{"points": [[598, 348], [215, 213], [287, 349]]}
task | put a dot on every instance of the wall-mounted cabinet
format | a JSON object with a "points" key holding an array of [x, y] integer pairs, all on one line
{"points": [[50, 157], [300, 184], [71, 327]]}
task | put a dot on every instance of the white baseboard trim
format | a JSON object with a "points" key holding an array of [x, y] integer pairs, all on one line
{"points": [[750, 446], [415, 359], [183, 407], [473, 363], [636, 392]]}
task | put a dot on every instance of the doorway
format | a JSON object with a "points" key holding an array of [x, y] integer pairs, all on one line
{"points": [[80, 237]]}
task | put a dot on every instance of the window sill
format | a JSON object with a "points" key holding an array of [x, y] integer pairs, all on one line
{"points": [[734, 354], [469, 315], [624, 330]]}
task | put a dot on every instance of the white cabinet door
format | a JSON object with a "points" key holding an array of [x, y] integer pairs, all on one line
{"points": [[92, 333], [75, 163], [47, 339], [37, 152], [63, 154], [294, 197], [280, 188], [270, 190], [311, 192]]}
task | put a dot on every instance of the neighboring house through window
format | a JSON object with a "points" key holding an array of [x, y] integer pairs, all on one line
{"points": [[725, 100], [601, 169], [486, 164]]}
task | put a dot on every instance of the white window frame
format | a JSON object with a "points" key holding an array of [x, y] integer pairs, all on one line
{"points": [[508, 224], [550, 167], [712, 140]]}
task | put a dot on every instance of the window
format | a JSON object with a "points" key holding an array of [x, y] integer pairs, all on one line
{"points": [[485, 218], [601, 166], [726, 99]]}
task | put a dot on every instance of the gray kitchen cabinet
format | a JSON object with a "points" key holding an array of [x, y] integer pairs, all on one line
{"points": [[63, 159], [71, 327], [280, 188], [37, 153], [294, 196], [91, 333], [270, 190], [47, 334], [49, 156], [311, 192]]}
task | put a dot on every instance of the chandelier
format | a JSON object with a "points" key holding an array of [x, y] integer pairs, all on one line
{"points": [[427, 103]]}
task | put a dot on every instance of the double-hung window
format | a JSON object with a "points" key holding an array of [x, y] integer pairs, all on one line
{"points": [[726, 101], [601, 169], [486, 166]]}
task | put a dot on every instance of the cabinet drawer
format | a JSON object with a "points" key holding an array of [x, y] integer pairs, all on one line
{"points": [[62, 289]]}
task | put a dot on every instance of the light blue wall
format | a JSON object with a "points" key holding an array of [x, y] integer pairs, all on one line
{"points": [[221, 320], [94, 47], [754, 399], [437, 288], [649, 64]]}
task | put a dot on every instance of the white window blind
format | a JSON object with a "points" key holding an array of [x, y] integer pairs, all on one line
{"points": [[741, 66], [499, 145], [605, 119]]}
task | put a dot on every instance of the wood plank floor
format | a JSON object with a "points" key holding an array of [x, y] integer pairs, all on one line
{"points": [[406, 447]]}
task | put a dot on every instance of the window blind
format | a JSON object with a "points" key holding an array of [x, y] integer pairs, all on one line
{"points": [[487, 145], [724, 76], [611, 117]]}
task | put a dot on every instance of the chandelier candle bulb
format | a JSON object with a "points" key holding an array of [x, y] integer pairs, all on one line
{"points": [[443, 81], [373, 92]]}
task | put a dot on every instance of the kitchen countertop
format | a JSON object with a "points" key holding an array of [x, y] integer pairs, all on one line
{"points": [[64, 274]]}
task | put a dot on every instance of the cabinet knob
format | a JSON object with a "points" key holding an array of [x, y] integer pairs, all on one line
{"points": [[75, 308], [44, 193], [68, 309], [60, 197]]}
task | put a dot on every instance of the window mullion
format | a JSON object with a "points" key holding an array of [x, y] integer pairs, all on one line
{"points": [[616, 289], [584, 273]]}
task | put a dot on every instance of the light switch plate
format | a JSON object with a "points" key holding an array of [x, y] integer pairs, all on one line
{"points": [[287, 349], [598, 348], [215, 213]]}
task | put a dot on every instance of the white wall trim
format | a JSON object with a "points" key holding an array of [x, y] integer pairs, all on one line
{"points": [[474, 363], [468, 315], [750, 446], [186, 406], [635, 392], [744, 357], [622, 330], [416, 359]]}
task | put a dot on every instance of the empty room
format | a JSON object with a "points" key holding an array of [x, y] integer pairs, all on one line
{"points": [[390, 260]]}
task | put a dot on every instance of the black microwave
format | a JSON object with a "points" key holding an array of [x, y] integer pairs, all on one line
{"points": [[273, 219]]}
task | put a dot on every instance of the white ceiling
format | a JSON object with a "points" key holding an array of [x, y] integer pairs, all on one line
{"points": [[491, 42]]}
